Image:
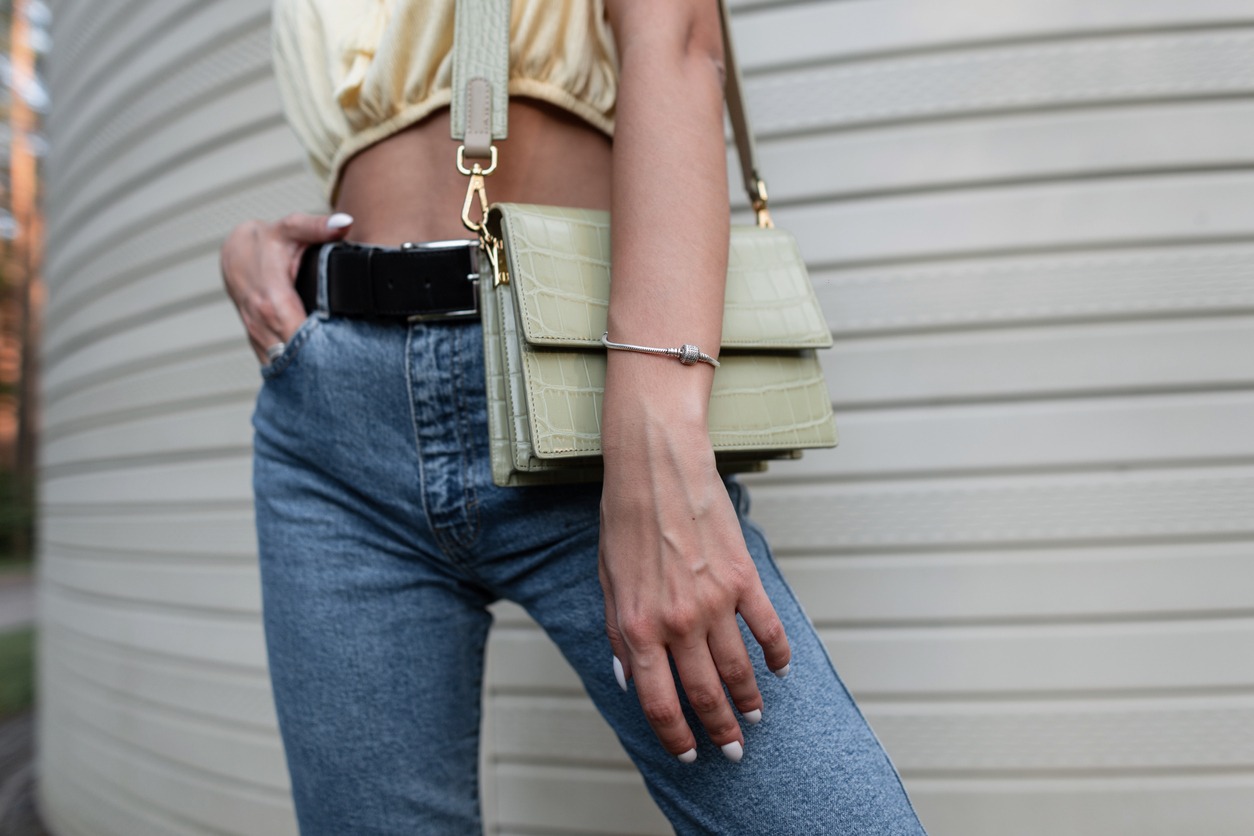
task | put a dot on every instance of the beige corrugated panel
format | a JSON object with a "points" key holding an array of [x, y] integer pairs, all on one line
{"points": [[1032, 556], [155, 709]]}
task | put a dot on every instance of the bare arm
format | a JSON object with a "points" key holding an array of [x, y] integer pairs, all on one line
{"points": [[674, 564]]}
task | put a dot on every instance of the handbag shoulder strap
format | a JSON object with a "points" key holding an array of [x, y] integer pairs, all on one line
{"points": [[755, 186], [480, 106], [481, 93]]}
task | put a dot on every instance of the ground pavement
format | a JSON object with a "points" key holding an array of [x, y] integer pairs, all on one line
{"points": [[17, 774]]}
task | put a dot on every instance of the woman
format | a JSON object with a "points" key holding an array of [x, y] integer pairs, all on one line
{"points": [[382, 538]]}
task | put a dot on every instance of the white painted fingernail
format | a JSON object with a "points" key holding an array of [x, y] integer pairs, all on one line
{"points": [[733, 751], [689, 756], [753, 717], [783, 672], [619, 675], [339, 220]]}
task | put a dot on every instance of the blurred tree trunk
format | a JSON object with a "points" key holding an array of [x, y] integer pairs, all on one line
{"points": [[23, 182]]}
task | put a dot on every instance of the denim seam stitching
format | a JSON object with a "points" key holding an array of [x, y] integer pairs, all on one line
{"points": [[449, 546], [413, 420], [469, 498]]}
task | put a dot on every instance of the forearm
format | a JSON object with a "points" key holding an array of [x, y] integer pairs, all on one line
{"points": [[670, 216], [673, 562]]}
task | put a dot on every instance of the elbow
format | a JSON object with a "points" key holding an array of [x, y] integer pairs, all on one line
{"points": [[683, 31], [703, 39]]}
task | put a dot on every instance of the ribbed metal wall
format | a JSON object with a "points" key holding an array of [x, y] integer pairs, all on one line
{"points": [[155, 709], [1032, 227]]}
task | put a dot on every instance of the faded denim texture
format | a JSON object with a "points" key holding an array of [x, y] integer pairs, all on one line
{"points": [[383, 541]]}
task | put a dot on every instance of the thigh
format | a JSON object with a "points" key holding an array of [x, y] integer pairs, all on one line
{"points": [[812, 765], [375, 648]]}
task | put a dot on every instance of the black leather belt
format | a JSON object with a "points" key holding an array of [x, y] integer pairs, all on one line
{"points": [[436, 280]]}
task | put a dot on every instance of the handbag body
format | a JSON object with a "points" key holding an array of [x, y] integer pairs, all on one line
{"points": [[544, 306]]}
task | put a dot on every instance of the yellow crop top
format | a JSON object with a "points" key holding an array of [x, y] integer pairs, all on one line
{"points": [[352, 72]]}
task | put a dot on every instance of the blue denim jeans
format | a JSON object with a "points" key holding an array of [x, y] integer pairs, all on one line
{"points": [[382, 543]]}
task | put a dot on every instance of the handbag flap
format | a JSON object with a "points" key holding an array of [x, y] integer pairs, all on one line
{"points": [[559, 266]]}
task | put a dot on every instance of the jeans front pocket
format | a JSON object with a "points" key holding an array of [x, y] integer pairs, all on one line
{"points": [[291, 350]]}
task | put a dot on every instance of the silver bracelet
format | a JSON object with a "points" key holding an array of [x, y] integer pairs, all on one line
{"points": [[688, 354]]}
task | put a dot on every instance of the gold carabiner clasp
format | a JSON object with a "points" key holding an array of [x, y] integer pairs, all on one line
{"points": [[476, 188]]}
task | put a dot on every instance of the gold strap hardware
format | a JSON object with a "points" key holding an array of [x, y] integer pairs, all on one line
{"points": [[759, 206], [476, 187], [492, 246]]}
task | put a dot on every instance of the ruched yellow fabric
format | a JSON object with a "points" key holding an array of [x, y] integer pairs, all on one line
{"points": [[352, 72]]}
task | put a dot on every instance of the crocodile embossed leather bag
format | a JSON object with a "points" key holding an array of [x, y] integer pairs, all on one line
{"points": [[544, 307]]}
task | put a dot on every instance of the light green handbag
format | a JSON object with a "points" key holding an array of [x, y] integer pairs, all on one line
{"points": [[544, 310]]}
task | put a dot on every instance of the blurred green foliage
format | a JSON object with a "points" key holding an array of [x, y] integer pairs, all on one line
{"points": [[17, 672], [15, 521]]}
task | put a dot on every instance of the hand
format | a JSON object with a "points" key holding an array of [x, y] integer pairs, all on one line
{"points": [[675, 571], [259, 261]]}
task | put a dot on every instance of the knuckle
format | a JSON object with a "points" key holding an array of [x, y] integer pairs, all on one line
{"points": [[681, 622], [279, 232], [265, 310], [612, 631], [722, 730], [254, 231], [705, 701], [742, 577], [244, 229], [617, 641], [773, 633], [736, 673], [637, 630], [660, 714]]}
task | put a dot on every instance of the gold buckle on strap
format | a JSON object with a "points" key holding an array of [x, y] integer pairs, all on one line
{"points": [[759, 206]]}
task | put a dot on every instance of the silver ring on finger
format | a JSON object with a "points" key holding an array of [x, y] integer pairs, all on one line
{"points": [[273, 352]]}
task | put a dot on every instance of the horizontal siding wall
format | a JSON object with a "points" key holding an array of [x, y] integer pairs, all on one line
{"points": [[1032, 556], [1031, 226], [156, 716]]}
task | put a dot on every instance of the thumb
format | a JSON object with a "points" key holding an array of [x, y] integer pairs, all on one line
{"points": [[314, 229], [622, 660]]}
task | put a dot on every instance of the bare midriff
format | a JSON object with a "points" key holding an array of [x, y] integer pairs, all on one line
{"points": [[407, 187]]}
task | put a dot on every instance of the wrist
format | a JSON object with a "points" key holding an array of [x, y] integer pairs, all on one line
{"points": [[648, 390], [639, 433]]}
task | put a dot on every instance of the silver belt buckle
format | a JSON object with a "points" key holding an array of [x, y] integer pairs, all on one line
{"points": [[473, 277]]}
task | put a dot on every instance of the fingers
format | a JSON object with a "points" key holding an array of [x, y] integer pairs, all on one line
{"points": [[259, 262], [279, 310], [678, 602], [700, 678], [284, 313], [660, 702], [704, 664], [621, 662], [313, 229], [763, 621], [731, 658], [273, 315]]}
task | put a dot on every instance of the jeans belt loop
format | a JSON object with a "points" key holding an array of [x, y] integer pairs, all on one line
{"points": [[323, 307]]}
